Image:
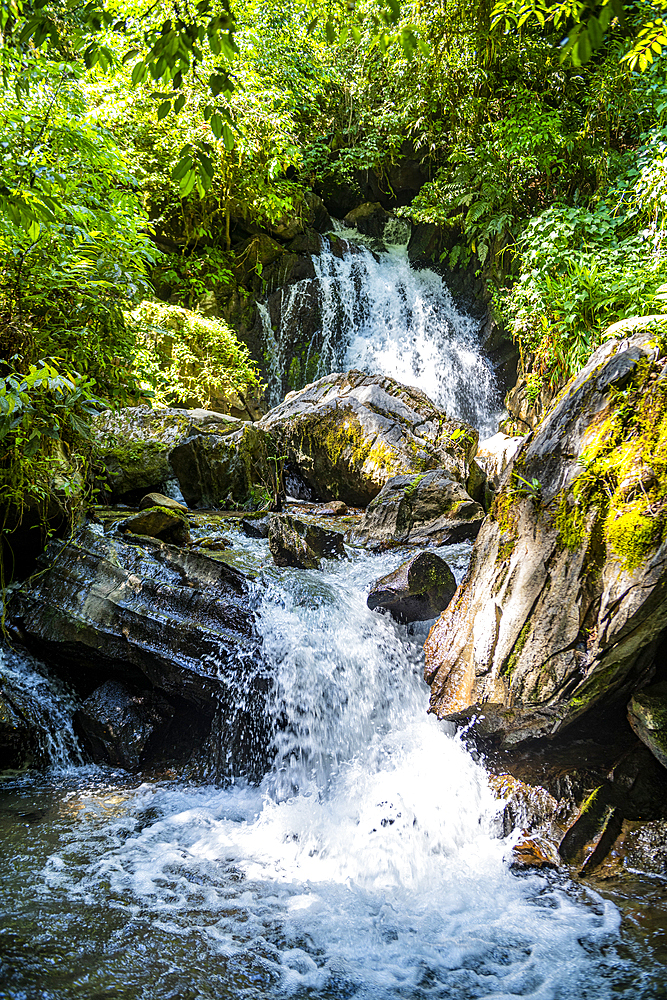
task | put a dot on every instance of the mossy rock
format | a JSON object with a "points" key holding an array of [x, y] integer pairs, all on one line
{"points": [[226, 471], [348, 434], [419, 589]]}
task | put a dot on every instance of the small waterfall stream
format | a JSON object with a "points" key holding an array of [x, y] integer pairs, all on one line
{"points": [[369, 863], [377, 314]]}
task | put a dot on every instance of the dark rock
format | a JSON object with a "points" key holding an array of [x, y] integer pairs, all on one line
{"points": [[348, 434], [418, 590], [159, 522], [160, 500], [214, 543], [106, 608], [369, 218], [229, 470], [647, 714], [119, 724], [295, 543], [255, 527], [420, 510]]}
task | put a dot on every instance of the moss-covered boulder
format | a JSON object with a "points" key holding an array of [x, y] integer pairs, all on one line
{"points": [[226, 470], [565, 603], [159, 522], [647, 714], [348, 434], [418, 590], [426, 509], [132, 445]]}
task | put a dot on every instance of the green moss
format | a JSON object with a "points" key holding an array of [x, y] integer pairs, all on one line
{"points": [[411, 487], [135, 452], [517, 649], [624, 474]]}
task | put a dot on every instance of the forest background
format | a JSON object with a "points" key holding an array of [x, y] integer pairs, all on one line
{"points": [[129, 128]]}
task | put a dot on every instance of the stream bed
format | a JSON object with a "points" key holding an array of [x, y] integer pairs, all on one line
{"points": [[369, 863]]}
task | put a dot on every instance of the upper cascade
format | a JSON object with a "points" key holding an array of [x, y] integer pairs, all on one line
{"points": [[368, 309]]}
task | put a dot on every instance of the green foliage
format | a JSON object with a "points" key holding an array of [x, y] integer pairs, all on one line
{"points": [[190, 360]]}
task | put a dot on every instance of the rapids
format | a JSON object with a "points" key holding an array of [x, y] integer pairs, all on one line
{"points": [[369, 863]]}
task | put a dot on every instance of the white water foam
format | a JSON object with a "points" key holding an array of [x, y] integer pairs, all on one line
{"points": [[381, 316], [368, 863]]}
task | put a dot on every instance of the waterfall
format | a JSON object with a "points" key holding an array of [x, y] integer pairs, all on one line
{"points": [[374, 312], [38, 707]]}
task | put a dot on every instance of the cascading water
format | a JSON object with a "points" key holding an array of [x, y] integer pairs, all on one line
{"points": [[377, 314], [367, 864]]}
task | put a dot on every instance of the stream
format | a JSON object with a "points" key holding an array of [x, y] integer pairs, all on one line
{"points": [[370, 861]]}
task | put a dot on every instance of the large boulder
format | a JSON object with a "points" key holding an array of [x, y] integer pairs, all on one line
{"points": [[225, 470], [426, 509], [348, 434], [418, 590], [159, 522], [369, 218], [133, 444], [138, 610], [565, 602], [296, 543]]}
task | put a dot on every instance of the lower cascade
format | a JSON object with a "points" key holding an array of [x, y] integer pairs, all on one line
{"points": [[371, 861]]}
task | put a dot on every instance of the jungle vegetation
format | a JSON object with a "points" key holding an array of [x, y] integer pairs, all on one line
{"points": [[128, 127]]}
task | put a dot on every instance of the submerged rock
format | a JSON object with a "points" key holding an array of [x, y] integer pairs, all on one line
{"points": [[418, 590], [565, 602], [348, 434], [217, 471], [424, 509], [295, 543], [133, 444], [131, 610]]}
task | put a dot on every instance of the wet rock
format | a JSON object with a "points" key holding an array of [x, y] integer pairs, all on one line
{"points": [[533, 854], [133, 445], [159, 522], [647, 714], [224, 471], [255, 527], [558, 618], [119, 724], [423, 509], [131, 610], [160, 500], [418, 590], [335, 508], [17, 736], [295, 543], [369, 218], [348, 434], [215, 543]]}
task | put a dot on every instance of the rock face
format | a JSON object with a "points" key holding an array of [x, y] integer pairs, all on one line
{"points": [[107, 608], [133, 444], [647, 714], [348, 434], [565, 602], [418, 590], [295, 543], [429, 509], [369, 218], [215, 470]]}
